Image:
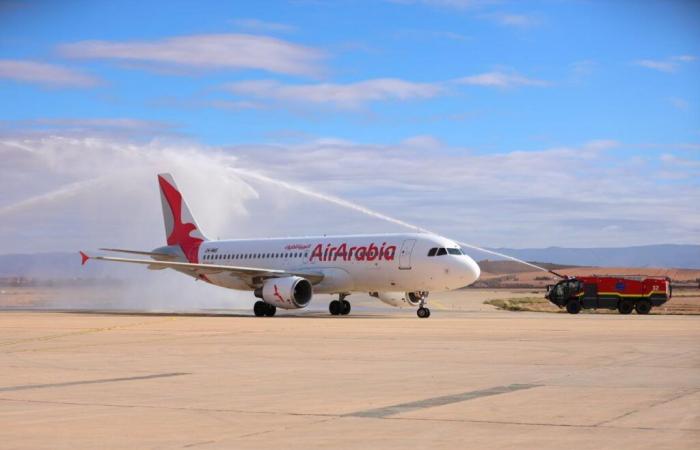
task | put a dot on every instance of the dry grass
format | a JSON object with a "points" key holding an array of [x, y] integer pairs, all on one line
{"points": [[523, 304]]}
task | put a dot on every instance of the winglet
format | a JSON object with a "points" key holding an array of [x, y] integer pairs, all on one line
{"points": [[84, 257]]}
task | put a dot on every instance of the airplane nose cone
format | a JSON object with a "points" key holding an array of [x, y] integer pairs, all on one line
{"points": [[471, 270]]}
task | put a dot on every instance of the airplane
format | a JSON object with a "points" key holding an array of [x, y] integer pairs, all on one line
{"points": [[398, 269]]}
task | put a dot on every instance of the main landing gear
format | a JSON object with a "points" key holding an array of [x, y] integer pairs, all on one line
{"points": [[340, 307], [423, 312], [264, 309]]}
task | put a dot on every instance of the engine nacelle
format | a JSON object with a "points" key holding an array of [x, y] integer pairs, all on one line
{"points": [[399, 299], [286, 292]]}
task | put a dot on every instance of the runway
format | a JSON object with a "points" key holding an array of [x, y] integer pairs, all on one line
{"points": [[461, 379]]}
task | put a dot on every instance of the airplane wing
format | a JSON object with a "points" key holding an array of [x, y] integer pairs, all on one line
{"points": [[206, 269]]}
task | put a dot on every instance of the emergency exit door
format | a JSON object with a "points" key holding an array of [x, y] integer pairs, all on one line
{"points": [[405, 255]]}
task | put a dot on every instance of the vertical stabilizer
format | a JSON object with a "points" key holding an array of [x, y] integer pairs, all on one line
{"points": [[180, 227]]}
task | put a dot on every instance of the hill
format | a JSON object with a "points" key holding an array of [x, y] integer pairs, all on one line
{"points": [[662, 255]]}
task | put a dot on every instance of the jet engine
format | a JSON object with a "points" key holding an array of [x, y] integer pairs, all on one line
{"points": [[399, 299], [286, 292]]}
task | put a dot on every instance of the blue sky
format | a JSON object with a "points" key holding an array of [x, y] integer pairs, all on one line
{"points": [[604, 87]]}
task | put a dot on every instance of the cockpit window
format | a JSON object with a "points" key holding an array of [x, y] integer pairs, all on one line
{"points": [[441, 251], [454, 251], [432, 251]]}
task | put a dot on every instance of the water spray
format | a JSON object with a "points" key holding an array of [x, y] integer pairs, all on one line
{"points": [[372, 213]]}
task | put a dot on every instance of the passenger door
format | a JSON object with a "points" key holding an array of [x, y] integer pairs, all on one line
{"points": [[405, 255]]}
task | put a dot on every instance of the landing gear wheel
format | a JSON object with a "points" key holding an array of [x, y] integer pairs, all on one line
{"points": [[423, 313], [271, 310], [259, 309], [643, 307], [573, 307], [345, 307], [625, 306], [335, 307]]}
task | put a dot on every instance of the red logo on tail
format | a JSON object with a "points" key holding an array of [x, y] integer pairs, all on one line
{"points": [[180, 235]]}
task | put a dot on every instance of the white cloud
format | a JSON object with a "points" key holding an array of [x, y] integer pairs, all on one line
{"points": [[106, 127], [501, 80], [583, 69], [350, 95], [263, 26], [678, 103], [514, 20], [424, 141], [62, 193], [684, 58], [45, 74], [517, 197], [662, 66], [207, 51], [422, 34], [453, 4], [668, 65]]}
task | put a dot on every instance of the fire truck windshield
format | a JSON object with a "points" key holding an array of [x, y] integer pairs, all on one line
{"points": [[565, 289]]}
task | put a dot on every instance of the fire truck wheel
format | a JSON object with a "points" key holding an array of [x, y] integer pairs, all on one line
{"points": [[643, 307], [625, 306], [573, 307]]}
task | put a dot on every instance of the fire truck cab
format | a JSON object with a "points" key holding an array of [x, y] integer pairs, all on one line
{"points": [[622, 293]]}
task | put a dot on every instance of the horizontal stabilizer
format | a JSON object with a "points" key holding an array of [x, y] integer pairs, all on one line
{"points": [[139, 252]]}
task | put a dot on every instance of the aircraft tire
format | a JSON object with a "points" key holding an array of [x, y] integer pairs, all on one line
{"points": [[423, 313], [334, 308], [346, 307], [259, 309], [270, 310]]}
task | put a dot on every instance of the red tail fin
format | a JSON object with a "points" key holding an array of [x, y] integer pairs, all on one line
{"points": [[180, 227], [84, 258]]}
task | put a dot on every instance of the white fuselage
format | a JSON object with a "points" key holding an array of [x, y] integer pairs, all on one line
{"points": [[358, 263]]}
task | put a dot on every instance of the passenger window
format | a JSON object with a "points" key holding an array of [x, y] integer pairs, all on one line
{"points": [[432, 251], [441, 251]]}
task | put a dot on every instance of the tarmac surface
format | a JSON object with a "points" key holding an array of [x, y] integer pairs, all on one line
{"points": [[460, 379]]}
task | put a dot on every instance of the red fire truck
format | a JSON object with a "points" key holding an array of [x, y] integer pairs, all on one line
{"points": [[622, 293]]}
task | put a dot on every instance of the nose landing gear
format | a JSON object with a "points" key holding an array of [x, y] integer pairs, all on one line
{"points": [[340, 307], [423, 312]]}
